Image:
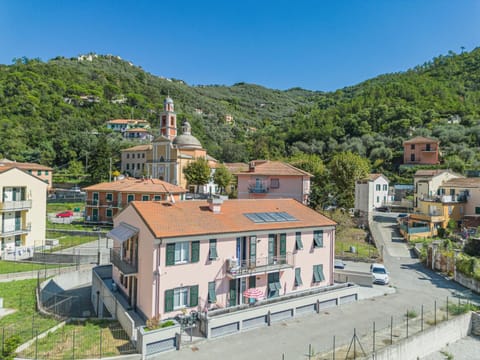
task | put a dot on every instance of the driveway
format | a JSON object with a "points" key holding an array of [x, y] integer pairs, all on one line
{"points": [[414, 285]]}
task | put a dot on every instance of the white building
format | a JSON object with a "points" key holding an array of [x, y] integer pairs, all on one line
{"points": [[371, 193], [23, 206], [427, 182]]}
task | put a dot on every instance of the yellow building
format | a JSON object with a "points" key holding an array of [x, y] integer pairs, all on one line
{"points": [[168, 154]]}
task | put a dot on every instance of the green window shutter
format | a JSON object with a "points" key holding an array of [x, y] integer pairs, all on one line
{"points": [[316, 275], [298, 277], [170, 254], [252, 282], [271, 247], [298, 241], [283, 245], [320, 272], [253, 251], [168, 300], [212, 296], [318, 238], [195, 251], [193, 295], [212, 255], [233, 293]]}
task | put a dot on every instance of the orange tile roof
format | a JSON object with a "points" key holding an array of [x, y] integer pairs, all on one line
{"points": [[236, 167], [420, 140], [191, 218], [463, 182], [429, 173], [276, 168], [22, 165], [126, 121], [138, 185], [139, 148]]}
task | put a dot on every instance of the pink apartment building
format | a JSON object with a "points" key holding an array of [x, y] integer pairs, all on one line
{"points": [[200, 255], [421, 151], [266, 179]]}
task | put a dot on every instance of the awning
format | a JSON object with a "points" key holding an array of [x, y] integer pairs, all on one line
{"points": [[122, 232]]}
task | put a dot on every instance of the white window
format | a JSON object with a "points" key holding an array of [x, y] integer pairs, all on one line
{"points": [[378, 199], [384, 187], [180, 297], [181, 252], [378, 187]]}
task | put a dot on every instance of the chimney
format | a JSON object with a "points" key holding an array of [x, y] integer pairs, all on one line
{"points": [[215, 204], [251, 166]]}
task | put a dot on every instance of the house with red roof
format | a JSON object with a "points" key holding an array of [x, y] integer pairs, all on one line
{"points": [[42, 172], [265, 179], [170, 258], [421, 151], [105, 200]]}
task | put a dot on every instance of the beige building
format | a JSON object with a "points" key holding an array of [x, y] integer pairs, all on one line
{"points": [[42, 172], [23, 213], [427, 182]]}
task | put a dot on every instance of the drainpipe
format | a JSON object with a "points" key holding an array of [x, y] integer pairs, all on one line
{"points": [[157, 283]]}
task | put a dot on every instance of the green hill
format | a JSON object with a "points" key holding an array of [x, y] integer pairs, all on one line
{"points": [[51, 112]]}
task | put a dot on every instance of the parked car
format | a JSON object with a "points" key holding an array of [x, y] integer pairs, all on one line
{"points": [[402, 216], [65, 214], [382, 209], [339, 264], [379, 274]]}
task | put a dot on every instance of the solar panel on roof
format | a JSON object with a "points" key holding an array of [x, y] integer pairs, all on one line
{"points": [[269, 217]]}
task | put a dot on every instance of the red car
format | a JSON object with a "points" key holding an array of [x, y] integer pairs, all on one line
{"points": [[65, 214]]}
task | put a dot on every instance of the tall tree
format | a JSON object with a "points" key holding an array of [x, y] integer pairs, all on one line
{"points": [[197, 172], [222, 177], [345, 169]]}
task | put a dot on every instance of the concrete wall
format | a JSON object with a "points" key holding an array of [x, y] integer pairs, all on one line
{"points": [[227, 322], [427, 342], [356, 277], [468, 282]]}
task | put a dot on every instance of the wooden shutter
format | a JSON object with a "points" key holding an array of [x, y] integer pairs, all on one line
{"points": [[168, 300], [170, 254], [283, 246], [195, 251], [253, 251], [233, 293], [193, 295]]}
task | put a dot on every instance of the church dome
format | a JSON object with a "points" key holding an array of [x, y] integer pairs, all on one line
{"points": [[169, 100], [187, 140]]}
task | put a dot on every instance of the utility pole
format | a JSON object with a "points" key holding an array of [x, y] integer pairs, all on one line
{"points": [[110, 171]]}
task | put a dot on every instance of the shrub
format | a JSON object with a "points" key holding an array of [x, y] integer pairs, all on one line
{"points": [[11, 343], [167, 323]]}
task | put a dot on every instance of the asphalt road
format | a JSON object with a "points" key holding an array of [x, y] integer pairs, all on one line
{"points": [[415, 286]]}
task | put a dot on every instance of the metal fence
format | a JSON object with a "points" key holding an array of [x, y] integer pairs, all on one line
{"points": [[75, 340], [365, 342]]}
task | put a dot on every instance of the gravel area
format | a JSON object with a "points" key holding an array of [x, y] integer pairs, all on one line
{"points": [[467, 348]]}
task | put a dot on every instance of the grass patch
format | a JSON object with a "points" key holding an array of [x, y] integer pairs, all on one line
{"points": [[67, 241], [8, 267], [411, 314], [20, 295], [75, 225], [458, 309], [88, 339], [363, 249], [57, 207]]}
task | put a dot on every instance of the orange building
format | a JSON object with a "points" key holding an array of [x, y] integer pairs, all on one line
{"points": [[421, 151], [106, 199]]}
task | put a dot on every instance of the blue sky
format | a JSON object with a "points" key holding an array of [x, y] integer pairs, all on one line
{"points": [[317, 45]]}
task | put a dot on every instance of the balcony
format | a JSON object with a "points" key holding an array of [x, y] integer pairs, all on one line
{"points": [[446, 198], [236, 268], [432, 216], [18, 230], [258, 187], [105, 203], [430, 150], [124, 265], [16, 205], [419, 229]]}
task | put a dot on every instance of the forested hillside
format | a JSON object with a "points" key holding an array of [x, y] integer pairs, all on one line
{"points": [[54, 113]]}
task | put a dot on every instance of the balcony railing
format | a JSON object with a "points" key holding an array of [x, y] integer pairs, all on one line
{"points": [[125, 266], [16, 205], [420, 229], [429, 149], [238, 268], [445, 198], [19, 230], [257, 187]]}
